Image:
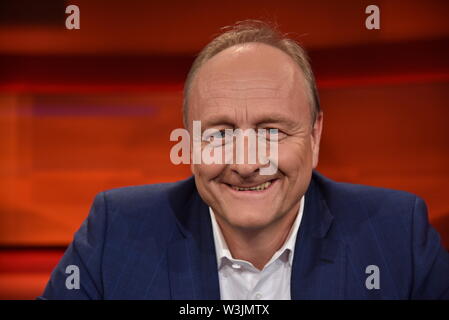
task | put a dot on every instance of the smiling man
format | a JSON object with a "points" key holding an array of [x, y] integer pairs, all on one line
{"points": [[230, 232]]}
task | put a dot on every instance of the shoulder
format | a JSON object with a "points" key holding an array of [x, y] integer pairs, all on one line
{"points": [[151, 207], [372, 199], [148, 196], [381, 213], [389, 229]]}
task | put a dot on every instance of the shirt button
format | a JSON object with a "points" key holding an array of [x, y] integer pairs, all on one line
{"points": [[258, 296], [236, 266]]}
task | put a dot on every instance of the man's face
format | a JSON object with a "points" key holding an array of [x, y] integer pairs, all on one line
{"points": [[260, 87]]}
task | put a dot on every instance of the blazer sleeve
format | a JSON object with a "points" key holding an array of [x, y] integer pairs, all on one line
{"points": [[83, 256], [430, 259]]}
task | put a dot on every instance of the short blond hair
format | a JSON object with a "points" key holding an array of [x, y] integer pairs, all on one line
{"points": [[254, 31]]}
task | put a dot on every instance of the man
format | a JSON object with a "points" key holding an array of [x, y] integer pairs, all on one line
{"points": [[232, 233]]}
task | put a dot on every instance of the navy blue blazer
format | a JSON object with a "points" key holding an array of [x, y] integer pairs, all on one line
{"points": [[156, 242]]}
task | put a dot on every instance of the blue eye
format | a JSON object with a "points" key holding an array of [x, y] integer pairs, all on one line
{"points": [[218, 136], [221, 134]]}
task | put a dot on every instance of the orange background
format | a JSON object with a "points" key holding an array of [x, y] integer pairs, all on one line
{"points": [[86, 110]]}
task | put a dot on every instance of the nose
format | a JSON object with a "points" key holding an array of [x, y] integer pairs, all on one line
{"points": [[246, 170], [246, 161]]}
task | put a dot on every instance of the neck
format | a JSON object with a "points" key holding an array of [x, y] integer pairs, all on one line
{"points": [[258, 245]]}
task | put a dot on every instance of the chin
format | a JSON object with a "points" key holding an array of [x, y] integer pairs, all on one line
{"points": [[250, 219]]}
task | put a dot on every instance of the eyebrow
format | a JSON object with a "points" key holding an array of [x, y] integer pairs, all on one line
{"points": [[217, 119], [226, 120], [276, 118]]}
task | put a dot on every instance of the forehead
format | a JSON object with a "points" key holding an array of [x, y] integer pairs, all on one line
{"points": [[257, 85], [252, 69], [248, 73]]}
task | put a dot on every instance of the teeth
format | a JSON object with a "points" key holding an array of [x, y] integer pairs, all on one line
{"points": [[260, 187]]}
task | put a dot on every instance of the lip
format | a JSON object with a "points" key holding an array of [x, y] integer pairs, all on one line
{"points": [[274, 183]]}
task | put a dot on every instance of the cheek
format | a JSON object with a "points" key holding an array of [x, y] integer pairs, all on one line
{"points": [[204, 176], [207, 172], [295, 157]]}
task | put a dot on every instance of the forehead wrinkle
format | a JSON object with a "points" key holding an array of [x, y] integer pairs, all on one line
{"points": [[220, 115], [226, 85]]}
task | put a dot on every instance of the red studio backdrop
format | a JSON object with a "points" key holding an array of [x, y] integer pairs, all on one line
{"points": [[86, 110]]}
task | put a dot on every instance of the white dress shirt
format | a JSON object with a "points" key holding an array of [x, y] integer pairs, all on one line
{"points": [[240, 280]]}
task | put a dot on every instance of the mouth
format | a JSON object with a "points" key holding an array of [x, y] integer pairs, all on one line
{"points": [[256, 188]]}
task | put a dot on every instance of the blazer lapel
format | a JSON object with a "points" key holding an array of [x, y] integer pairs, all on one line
{"points": [[191, 256], [318, 270]]}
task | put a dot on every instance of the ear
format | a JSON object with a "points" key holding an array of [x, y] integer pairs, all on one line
{"points": [[316, 137]]}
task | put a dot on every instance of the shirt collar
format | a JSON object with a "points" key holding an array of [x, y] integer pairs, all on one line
{"points": [[223, 252]]}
